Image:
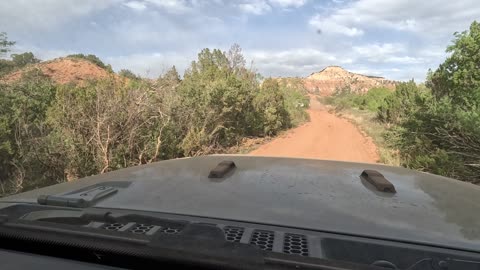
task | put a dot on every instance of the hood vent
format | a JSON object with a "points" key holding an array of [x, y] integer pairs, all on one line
{"points": [[378, 181], [222, 169]]}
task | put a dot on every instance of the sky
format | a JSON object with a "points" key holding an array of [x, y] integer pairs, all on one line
{"points": [[396, 39]]}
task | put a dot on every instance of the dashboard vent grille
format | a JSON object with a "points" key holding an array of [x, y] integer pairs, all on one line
{"points": [[112, 226], [262, 239], [295, 244], [141, 228], [233, 234], [169, 230]]}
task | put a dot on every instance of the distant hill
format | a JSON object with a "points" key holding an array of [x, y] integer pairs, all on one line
{"points": [[328, 80], [63, 70]]}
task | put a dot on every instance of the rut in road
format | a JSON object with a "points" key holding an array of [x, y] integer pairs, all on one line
{"points": [[326, 136]]}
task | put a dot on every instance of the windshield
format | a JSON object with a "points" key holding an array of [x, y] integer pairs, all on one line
{"points": [[94, 86], [293, 127]]}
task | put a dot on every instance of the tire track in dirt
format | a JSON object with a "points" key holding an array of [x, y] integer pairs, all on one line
{"points": [[325, 136]]}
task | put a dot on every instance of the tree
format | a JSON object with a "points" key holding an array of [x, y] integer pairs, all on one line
{"points": [[53, 133], [458, 78], [219, 101], [401, 103], [106, 125], [270, 101], [127, 74], [171, 75], [24, 59], [5, 44], [235, 58], [5, 65], [438, 131], [26, 160]]}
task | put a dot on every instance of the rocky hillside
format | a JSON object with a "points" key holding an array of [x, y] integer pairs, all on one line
{"points": [[63, 70], [331, 78]]}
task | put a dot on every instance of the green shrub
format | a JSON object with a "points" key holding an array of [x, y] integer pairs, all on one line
{"points": [[438, 130], [344, 98], [373, 99], [296, 100], [442, 139], [23, 59], [270, 103], [53, 133], [401, 103], [26, 159], [128, 74]]}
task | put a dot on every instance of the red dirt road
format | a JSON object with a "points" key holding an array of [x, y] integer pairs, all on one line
{"points": [[326, 136]]}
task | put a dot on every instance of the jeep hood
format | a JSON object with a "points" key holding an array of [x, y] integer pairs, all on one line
{"points": [[303, 193]]}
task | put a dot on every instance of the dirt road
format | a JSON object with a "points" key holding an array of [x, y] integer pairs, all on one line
{"points": [[326, 136]]}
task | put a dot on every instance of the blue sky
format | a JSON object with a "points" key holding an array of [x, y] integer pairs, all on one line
{"points": [[397, 39]]}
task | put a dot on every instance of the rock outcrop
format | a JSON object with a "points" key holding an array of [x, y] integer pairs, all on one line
{"points": [[62, 71], [334, 78]]}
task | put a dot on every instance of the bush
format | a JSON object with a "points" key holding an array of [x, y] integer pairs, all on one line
{"points": [[23, 59], [128, 74], [296, 100], [342, 98], [442, 139], [404, 101], [438, 130], [109, 125], [270, 103], [53, 133], [18, 61], [371, 100], [26, 159]]}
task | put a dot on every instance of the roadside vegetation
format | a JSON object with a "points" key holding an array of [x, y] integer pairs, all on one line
{"points": [[51, 133], [434, 127]]}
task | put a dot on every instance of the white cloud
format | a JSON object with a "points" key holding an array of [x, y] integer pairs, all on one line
{"points": [[404, 60], [135, 5], [438, 18], [38, 14], [288, 3], [375, 50], [42, 54], [329, 26], [293, 62], [396, 39], [260, 7], [395, 53], [171, 6], [255, 7]]}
